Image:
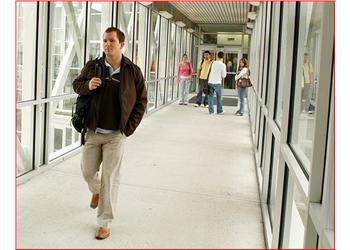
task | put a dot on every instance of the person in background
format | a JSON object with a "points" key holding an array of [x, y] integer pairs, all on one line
{"points": [[217, 73], [308, 86], [202, 74], [242, 72], [119, 100], [184, 78]]}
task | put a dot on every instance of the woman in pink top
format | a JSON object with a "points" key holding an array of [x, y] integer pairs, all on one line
{"points": [[184, 77]]}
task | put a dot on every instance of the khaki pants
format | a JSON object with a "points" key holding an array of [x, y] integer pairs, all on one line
{"points": [[108, 149]]}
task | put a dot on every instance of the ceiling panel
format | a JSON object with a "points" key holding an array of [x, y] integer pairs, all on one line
{"points": [[214, 12]]}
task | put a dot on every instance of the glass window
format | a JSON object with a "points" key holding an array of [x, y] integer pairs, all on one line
{"points": [[262, 141], [66, 45], [193, 59], [184, 42], [272, 190], [154, 40], [141, 37], [306, 83], [171, 60], [162, 60], [24, 137], [231, 62], [99, 21], [153, 59], [295, 216], [178, 56], [188, 44], [279, 83], [126, 24], [62, 137], [26, 39]]}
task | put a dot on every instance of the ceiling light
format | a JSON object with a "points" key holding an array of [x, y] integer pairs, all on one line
{"points": [[250, 25], [252, 15], [165, 14], [254, 4], [180, 24], [146, 3]]}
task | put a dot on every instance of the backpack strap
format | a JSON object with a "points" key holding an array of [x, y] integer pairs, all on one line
{"points": [[211, 63]]}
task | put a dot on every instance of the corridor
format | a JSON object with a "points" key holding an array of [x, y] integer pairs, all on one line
{"points": [[188, 180]]}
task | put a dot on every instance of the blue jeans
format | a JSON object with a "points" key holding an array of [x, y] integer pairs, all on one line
{"points": [[242, 92], [184, 86], [200, 93], [217, 89]]}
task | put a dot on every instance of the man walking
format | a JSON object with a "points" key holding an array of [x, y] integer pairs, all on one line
{"points": [[202, 74], [119, 100]]}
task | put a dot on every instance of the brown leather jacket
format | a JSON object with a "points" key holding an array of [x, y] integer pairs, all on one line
{"points": [[132, 94]]}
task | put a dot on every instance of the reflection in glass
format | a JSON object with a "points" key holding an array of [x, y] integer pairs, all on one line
{"points": [[100, 16], [151, 95], [66, 45], [171, 60], [24, 139], [295, 218], [125, 24], [306, 84], [153, 57], [209, 38], [141, 36], [231, 67], [279, 83], [162, 60], [273, 181], [178, 57], [62, 136], [188, 45], [26, 38]]}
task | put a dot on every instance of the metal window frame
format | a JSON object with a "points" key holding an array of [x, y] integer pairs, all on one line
{"points": [[322, 168]]}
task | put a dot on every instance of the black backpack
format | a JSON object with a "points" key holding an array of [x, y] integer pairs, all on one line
{"points": [[81, 108]]}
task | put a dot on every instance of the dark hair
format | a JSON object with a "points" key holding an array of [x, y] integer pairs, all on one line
{"points": [[120, 34], [221, 54], [207, 51], [184, 55]]}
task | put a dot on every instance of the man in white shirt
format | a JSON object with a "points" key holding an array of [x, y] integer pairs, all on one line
{"points": [[217, 72]]}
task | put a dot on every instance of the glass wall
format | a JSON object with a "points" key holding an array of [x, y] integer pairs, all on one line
{"points": [[62, 136], [48, 62], [99, 19], [25, 86], [178, 55], [24, 137], [126, 24], [26, 25], [153, 60], [66, 49], [171, 60], [305, 87], [66, 55], [295, 216], [280, 57], [141, 25], [162, 61], [291, 63]]}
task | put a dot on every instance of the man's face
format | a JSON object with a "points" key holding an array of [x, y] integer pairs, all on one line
{"points": [[111, 44], [206, 56]]}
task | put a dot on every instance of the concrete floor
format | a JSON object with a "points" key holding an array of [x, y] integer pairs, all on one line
{"points": [[187, 181]]}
